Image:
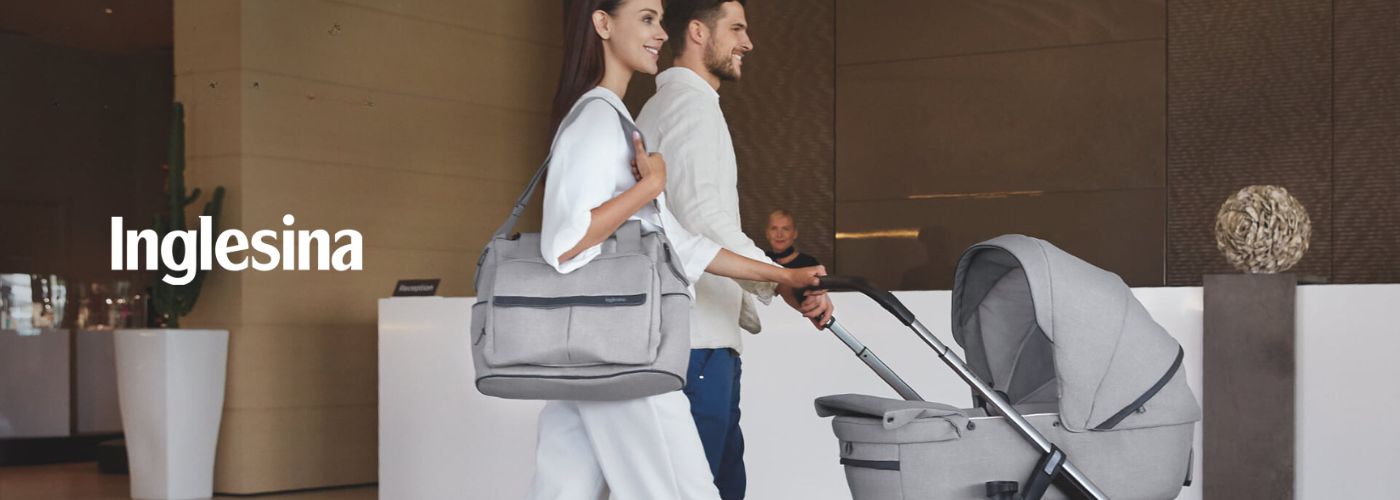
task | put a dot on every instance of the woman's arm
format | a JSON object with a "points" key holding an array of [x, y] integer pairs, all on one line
{"points": [[606, 218]]}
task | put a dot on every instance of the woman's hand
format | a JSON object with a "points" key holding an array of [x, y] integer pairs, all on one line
{"points": [[802, 277], [647, 168], [650, 172]]}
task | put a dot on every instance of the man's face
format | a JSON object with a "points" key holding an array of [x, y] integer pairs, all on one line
{"points": [[781, 232], [729, 41]]}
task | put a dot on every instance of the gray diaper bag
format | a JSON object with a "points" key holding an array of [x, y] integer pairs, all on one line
{"points": [[616, 328]]}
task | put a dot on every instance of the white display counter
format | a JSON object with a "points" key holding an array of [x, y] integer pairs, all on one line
{"points": [[440, 439], [95, 401], [35, 393], [57, 382]]}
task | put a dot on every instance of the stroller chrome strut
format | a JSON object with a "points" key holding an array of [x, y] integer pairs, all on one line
{"points": [[1054, 461], [873, 361]]}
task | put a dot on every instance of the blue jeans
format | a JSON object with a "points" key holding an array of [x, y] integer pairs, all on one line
{"points": [[712, 384]]}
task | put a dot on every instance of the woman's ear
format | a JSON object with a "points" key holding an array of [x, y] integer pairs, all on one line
{"points": [[602, 23]]}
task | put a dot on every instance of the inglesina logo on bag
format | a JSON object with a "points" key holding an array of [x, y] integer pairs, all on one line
{"points": [[200, 249]]}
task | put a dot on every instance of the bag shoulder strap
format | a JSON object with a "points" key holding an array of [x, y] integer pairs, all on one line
{"points": [[627, 127]]}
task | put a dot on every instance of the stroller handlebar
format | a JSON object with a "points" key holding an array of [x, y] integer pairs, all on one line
{"points": [[886, 299]]}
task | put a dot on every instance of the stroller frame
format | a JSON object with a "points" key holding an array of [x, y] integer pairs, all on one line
{"points": [[1053, 463]]}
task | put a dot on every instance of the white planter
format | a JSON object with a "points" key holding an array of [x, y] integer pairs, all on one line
{"points": [[171, 387]]}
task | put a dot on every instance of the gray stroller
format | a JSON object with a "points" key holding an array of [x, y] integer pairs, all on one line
{"points": [[1078, 393]]}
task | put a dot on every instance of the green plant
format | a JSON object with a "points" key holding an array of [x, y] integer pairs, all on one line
{"points": [[172, 302]]}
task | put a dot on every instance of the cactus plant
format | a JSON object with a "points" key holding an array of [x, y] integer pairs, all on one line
{"points": [[170, 301]]}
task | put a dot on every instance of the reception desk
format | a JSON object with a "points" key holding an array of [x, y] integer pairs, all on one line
{"points": [[440, 439]]}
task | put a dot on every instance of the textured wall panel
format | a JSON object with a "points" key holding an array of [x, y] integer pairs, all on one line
{"points": [[1367, 142], [964, 120], [1060, 119], [890, 30], [915, 244], [1249, 89], [781, 116]]}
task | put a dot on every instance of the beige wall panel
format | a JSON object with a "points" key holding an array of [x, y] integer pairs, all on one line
{"points": [[1119, 230], [396, 119], [348, 298], [220, 304], [213, 116], [207, 34], [276, 367], [530, 21], [353, 46], [390, 208], [359, 127], [205, 86], [296, 448], [1079, 118], [889, 30]]}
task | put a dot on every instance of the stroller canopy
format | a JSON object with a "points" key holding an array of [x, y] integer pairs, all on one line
{"points": [[1052, 331]]}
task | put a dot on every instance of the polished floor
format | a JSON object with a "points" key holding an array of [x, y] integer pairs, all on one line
{"points": [[83, 482]]}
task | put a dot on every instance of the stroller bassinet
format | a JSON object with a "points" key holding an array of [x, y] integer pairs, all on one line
{"points": [[1073, 382]]}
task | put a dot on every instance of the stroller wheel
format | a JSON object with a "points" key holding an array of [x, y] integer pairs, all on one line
{"points": [[1002, 490]]}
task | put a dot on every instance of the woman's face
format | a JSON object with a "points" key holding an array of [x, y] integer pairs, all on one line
{"points": [[634, 36]]}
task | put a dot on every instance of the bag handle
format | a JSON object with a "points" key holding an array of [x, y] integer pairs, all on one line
{"points": [[627, 127], [629, 237]]}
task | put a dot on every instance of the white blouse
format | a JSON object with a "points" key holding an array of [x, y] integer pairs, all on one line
{"points": [[591, 164]]}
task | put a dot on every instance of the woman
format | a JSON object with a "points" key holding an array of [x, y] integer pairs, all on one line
{"points": [[646, 448]]}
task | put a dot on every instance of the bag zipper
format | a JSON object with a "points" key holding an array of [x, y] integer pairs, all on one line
{"points": [[666, 245], [476, 279]]}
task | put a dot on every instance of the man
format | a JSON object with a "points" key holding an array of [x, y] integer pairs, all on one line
{"points": [[782, 233], [684, 122]]}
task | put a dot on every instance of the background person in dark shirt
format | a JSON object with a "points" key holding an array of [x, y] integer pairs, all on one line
{"points": [[782, 233]]}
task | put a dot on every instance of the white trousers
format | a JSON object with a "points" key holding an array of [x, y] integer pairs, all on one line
{"points": [[640, 449]]}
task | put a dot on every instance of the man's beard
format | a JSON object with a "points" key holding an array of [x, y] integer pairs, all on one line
{"points": [[721, 66]]}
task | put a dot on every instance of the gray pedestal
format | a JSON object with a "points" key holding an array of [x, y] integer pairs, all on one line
{"points": [[1249, 390]]}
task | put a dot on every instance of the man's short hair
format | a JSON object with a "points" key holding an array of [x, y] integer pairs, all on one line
{"points": [[783, 213], [679, 14]]}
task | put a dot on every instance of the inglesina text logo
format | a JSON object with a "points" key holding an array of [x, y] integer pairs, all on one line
{"points": [[200, 249]]}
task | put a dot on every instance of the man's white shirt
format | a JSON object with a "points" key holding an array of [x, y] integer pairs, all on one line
{"points": [[684, 123]]}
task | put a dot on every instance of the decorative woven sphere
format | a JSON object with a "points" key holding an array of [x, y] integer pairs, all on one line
{"points": [[1262, 229]]}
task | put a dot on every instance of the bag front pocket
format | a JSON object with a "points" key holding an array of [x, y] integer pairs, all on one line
{"points": [[602, 313]]}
